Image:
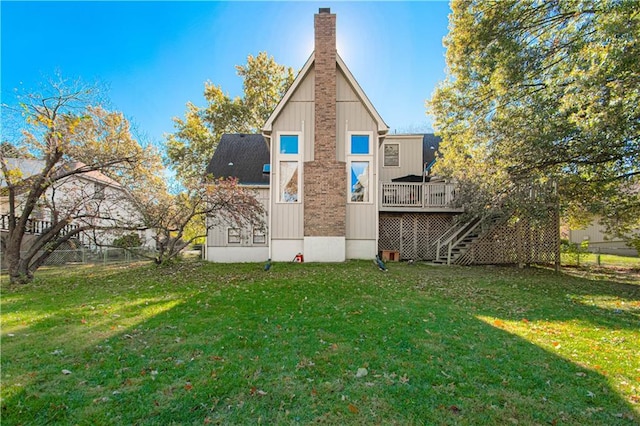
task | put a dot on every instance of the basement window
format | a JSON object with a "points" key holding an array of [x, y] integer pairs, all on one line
{"points": [[233, 236]]}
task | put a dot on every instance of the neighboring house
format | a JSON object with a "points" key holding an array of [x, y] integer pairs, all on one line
{"points": [[90, 198], [599, 242], [338, 186]]}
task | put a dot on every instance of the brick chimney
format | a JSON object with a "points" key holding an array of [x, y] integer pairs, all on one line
{"points": [[325, 178]]}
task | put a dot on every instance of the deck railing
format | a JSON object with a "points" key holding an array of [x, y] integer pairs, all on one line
{"points": [[35, 226], [417, 195]]}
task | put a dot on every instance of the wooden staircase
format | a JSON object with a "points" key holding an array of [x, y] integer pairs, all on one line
{"points": [[457, 240]]}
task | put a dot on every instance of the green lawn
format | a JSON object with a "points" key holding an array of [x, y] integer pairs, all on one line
{"points": [[328, 343]]}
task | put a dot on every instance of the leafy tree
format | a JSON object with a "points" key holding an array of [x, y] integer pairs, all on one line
{"points": [[131, 240], [171, 216], [67, 138], [191, 146], [542, 92]]}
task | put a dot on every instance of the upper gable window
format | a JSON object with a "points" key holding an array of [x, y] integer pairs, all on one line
{"points": [[360, 145], [98, 191], [289, 165], [289, 144], [391, 155]]}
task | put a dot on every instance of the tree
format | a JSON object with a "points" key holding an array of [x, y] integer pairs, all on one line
{"points": [[170, 215], [544, 91], [77, 148], [190, 148]]}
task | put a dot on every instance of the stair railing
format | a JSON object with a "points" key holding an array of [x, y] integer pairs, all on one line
{"points": [[450, 234], [453, 244]]}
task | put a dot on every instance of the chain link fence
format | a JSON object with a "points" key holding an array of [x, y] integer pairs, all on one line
{"points": [[98, 256]]}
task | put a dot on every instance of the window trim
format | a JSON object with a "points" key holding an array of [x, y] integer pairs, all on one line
{"points": [[279, 157], [99, 191], [384, 154], [229, 236], [260, 233], [355, 158]]}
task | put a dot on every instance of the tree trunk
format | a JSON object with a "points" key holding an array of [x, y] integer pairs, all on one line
{"points": [[19, 272]]}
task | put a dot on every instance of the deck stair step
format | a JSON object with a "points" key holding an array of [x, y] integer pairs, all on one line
{"points": [[460, 238]]}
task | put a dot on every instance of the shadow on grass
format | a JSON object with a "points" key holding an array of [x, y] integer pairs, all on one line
{"points": [[239, 346]]}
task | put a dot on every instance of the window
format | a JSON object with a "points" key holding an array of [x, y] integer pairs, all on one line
{"points": [[360, 145], [359, 170], [98, 191], [289, 181], [259, 236], [289, 144], [359, 181], [391, 155], [289, 159], [233, 236]]}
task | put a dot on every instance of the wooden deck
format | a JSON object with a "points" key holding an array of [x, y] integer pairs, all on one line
{"points": [[417, 197]]}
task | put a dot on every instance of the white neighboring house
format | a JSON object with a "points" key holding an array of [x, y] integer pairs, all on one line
{"points": [[89, 199]]}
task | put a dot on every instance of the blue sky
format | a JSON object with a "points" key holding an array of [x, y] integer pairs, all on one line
{"points": [[155, 56]]}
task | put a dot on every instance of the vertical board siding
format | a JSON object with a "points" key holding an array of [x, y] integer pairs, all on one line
{"points": [[287, 219], [217, 236], [305, 90], [353, 116], [361, 221], [410, 158], [345, 92]]}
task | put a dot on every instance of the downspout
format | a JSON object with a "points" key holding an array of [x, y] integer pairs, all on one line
{"points": [[270, 208]]}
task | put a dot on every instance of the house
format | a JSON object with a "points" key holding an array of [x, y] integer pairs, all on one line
{"points": [[246, 158], [337, 186], [598, 241], [89, 198]]}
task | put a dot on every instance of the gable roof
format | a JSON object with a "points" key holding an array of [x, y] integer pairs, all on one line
{"points": [[29, 167], [382, 126], [241, 156], [430, 145]]}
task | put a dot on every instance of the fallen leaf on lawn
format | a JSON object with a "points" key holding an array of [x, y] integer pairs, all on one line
{"points": [[84, 321], [353, 409], [454, 409], [499, 323], [361, 372], [188, 386]]}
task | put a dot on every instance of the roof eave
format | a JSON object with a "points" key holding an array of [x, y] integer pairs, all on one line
{"points": [[268, 125]]}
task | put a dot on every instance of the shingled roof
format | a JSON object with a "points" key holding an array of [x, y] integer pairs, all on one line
{"points": [[241, 156]]}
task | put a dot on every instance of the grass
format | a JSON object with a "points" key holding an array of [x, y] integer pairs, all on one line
{"points": [[205, 343], [606, 260]]}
